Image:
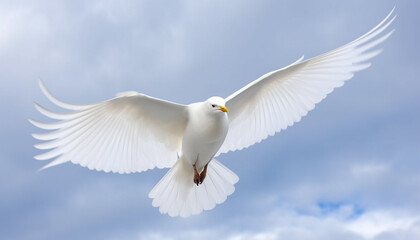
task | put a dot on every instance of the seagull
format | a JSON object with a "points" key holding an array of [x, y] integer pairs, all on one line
{"points": [[134, 132]]}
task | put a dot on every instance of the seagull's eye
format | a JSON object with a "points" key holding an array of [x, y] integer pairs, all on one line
{"points": [[213, 105]]}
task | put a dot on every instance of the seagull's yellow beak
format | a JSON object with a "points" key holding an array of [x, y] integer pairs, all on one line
{"points": [[223, 109]]}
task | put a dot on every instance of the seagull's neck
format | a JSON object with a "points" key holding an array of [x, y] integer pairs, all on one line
{"points": [[212, 124]]}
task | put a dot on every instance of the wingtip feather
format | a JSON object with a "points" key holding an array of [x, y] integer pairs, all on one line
{"points": [[58, 102]]}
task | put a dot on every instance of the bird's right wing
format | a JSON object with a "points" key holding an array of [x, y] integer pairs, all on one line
{"points": [[130, 133], [281, 97]]}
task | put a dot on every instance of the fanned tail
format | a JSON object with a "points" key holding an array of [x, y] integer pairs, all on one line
{"points": [[177, 195]]}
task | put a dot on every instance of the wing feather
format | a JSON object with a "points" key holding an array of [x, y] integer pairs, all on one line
{"points": [[130, 133], [282, 97]]}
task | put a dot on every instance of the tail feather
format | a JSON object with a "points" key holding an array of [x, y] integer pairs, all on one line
{"points": [[177, 195]]}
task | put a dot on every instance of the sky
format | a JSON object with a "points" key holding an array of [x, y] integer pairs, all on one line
{"points": [[350, 169]]}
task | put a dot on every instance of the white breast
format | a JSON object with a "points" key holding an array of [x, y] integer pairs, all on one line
{"points": [[204, 134]]}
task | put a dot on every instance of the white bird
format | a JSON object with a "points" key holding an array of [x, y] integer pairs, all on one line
{"points": [[134, 132]]}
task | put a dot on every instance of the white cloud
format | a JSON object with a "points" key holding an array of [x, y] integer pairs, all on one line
{"points": [[14, 26], [286, 224], [375, 223], [369, 169]]}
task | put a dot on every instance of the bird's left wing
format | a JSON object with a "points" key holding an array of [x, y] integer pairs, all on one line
{"points": [[280, 98], [130, 133]]}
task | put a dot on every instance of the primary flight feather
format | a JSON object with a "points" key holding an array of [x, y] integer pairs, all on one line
{"points": [[134, 132]]}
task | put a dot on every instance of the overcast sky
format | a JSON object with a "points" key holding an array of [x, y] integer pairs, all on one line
{"points": [[348, 170]]}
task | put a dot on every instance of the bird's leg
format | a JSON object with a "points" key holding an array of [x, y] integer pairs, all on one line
{"points": [[196, 176], [203, 173]]}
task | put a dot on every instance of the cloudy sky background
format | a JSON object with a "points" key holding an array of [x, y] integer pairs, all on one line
{"points": [[348, 170]]}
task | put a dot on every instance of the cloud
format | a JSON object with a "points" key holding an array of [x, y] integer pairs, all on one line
{"points": [[337, 225], [348, 170], [286, 223]]}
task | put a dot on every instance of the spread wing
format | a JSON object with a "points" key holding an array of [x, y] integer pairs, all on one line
{"points": [[130, 133], [280, 98]]}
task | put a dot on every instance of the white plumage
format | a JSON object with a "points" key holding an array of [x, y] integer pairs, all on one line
{"points": [[134, 132]]}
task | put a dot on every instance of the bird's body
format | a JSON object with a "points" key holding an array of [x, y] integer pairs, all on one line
{"points": [[206, 130], [135, 132]]}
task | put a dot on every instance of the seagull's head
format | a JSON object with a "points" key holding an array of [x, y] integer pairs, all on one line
{"points": [[216, 104]]}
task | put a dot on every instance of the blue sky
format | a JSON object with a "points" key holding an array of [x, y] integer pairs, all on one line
{"points": [[348, 170]]}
